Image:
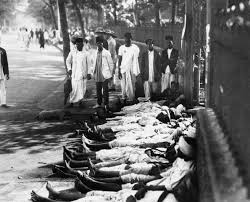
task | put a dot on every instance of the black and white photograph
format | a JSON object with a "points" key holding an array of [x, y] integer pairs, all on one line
{"points": [[124, 100]]}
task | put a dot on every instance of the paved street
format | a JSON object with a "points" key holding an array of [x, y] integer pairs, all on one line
{"points": [[33, 75], [27, 145]]}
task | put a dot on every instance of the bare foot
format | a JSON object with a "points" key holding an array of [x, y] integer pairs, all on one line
{"points": [[84, 145], [52, 193], [37, 198]]}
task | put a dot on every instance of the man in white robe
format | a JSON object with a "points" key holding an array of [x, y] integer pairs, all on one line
{"points": [[77, 66], [128, 67], [4, 75]]}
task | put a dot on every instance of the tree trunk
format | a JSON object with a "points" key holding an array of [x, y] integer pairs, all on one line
{"points": [[100, 16], [136, 16], [64, 29], [114, 4], [52, 12], [173, 11], [157, 13], [79, 16]]}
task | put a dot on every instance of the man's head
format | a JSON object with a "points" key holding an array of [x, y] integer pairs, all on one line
{"points": [[150, 44], [170, 42], [128, 38], [99, 42], [79, 43]]}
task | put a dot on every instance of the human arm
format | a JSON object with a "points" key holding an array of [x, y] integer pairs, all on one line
{"points": [[110, 63], [119, 62], [69, 62]]}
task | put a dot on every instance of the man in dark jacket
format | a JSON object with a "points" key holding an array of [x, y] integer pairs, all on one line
{"points": [[168, 63], [4, 75], [150, 70]]}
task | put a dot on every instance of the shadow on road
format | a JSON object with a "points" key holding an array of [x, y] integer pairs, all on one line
{"points": [[34, 136]]}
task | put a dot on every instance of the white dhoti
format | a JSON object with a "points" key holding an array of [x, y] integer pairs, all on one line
{"points": [[166, 80], [149, 88], [2, 92], [128, 85], [78, 90]]}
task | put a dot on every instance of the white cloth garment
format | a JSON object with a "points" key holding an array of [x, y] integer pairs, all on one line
{"points": [[77, 61], [122, 195], [128, 86], [129, 69], [107, 64], [151, 66], [149, 88], [2, 85], [166, 80], [167, 77]]}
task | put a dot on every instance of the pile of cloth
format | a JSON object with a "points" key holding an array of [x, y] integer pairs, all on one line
{"points": [[145, 152]]}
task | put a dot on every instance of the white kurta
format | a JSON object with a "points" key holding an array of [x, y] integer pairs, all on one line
{"points": [[2, 85], [77, 61], [129, 69]]}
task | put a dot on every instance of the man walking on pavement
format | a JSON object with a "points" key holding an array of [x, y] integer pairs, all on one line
{"points": [[102, 72], [4, 75], [151, 70], [168, 61], [128, 67], [77, 65]]}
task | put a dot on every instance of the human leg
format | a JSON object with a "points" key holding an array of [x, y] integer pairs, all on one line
{"points": [[65, 195], [99, 92], [97, 185], [2, 92], [146, 89]]}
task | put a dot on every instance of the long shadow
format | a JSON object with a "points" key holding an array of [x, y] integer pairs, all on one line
{"points": [[35, 136]]}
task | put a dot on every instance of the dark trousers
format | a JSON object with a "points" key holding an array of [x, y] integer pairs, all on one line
{"points": [[105, 94]]}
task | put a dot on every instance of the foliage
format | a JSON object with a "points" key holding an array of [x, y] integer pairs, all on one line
{"points": [[7, 9], [41, 11]]}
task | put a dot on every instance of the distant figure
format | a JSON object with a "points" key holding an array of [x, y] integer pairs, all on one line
{"points": [[151, 70], [128, 67], [31, 35], [168, 62], [26, 39], [46, 36], [4, 75], [37, 35], [41, 39]]}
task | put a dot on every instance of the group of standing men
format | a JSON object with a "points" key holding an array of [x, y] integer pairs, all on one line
{"points": [[157, 71]]}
